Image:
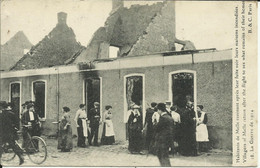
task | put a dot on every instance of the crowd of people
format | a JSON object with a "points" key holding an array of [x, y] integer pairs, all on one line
{"points": [[166, 130]]}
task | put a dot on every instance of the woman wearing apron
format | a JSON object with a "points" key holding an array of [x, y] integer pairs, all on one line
{"points": [[108, 135], [202, 136], [81, 122]]}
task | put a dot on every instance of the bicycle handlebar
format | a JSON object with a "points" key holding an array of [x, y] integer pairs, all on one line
{"points": [[27, 125]]}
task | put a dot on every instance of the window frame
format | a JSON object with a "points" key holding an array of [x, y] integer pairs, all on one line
{"points": [[10, 92], [125, 101], [33, 98], [194, 85]]}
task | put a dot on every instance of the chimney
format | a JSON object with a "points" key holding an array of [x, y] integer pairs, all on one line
{"points": [[62, 18], [117, 4]]}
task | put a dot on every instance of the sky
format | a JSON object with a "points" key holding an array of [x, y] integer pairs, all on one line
{"points": [[206, 24]]}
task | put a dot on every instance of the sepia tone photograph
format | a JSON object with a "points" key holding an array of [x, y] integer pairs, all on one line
{"points": [[116, 83]]}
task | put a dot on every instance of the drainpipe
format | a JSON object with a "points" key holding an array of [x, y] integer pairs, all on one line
{"points": [[57, 99]]}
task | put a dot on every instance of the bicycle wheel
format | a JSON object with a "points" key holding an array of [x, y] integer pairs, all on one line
{"points": [[37, 150], [8, 153]]}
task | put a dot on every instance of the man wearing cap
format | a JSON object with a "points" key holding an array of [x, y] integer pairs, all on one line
{"points": [[8, 131], [163, 136], [94, 117]]}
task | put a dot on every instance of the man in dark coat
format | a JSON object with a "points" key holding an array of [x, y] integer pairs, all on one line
{"points": [[163, 136], [94, 117], [187, 144], [148, 125], [8, 131]]}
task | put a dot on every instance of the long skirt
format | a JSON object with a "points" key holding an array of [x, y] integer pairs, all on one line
{"points": [[65, 139], [149, 137], [135, 141], [108, 137], [81, 136], [187, 143]]}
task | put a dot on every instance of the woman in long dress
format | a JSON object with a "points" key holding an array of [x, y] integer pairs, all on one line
{"points": [[81, 122], [65, 132], [187, 142], [108, 135], [202, 136], [135, 131]]}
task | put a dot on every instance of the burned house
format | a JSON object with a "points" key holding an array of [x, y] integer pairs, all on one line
{"points": [[133, 58]]}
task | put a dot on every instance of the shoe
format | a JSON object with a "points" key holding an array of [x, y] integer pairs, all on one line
{"points": [[21, 160], [141, 153]]}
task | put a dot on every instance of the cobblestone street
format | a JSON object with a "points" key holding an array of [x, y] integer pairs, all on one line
{"points": [[118, 155]]}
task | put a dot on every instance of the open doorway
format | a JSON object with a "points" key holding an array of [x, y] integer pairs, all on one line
{"points": [[134, 94], [39, 96], [182, 88], [15, 99], [92, 92]]}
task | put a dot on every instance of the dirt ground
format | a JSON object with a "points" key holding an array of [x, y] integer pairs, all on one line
{"points": [[118, 155]]}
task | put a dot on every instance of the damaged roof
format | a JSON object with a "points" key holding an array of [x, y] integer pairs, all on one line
{"points": [[127, 29], [13, 50], [138, 30], [56, 48]]}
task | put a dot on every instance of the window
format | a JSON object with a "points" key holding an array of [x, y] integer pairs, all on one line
{"points": [[113, 52], [39, 96], [15, 98]]}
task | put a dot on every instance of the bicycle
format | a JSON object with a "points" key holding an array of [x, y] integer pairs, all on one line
{"points": [[35, 149]]}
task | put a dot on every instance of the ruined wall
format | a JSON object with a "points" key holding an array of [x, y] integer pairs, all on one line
{"points": [[214, 91], [126, 25], [159, 36], [103, 51], [92, 51]]}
